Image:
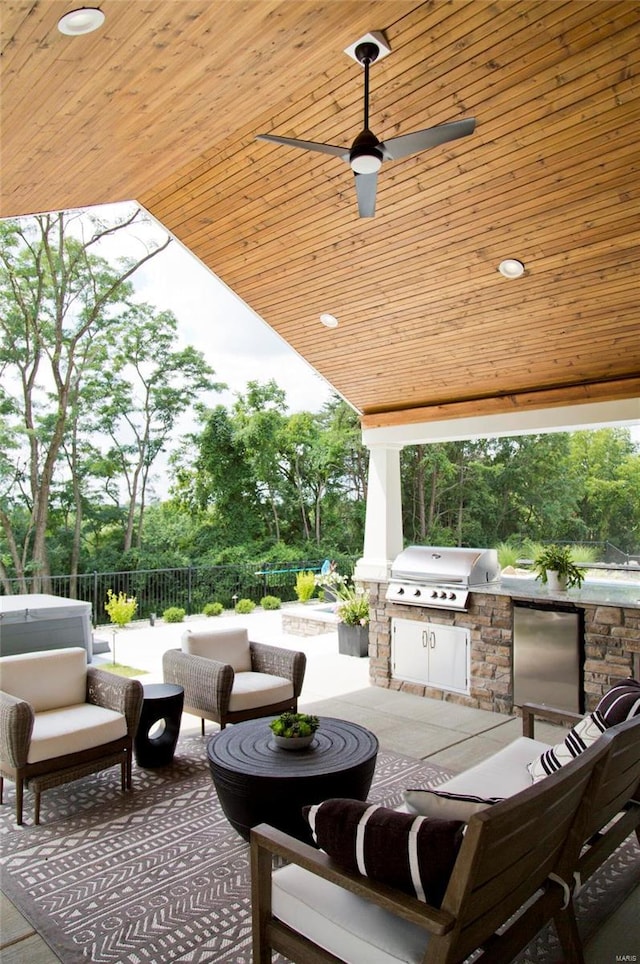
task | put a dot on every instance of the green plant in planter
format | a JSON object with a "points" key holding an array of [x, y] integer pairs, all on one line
{"points": [[353, 606], [213, 609], [558, 559], [245, 606], [174, 614], [291, 725]]}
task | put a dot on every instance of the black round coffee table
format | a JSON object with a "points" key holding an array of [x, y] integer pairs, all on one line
{"points": [[258, 782], [162, 705]]}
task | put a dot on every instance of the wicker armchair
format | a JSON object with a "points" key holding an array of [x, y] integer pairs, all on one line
{"points": [[227, 678], [61, 720]]}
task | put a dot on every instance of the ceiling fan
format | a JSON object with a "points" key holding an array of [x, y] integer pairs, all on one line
{"points": [[367, 153]]}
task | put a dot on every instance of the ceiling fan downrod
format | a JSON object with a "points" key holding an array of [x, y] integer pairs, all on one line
{"points": [[364, 156]]}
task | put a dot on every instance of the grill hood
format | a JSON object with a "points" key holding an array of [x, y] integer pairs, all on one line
{"points": [[440, 576], [446, 565]]}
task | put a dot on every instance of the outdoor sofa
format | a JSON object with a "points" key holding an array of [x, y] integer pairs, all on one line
{"points": [[517, 863]]}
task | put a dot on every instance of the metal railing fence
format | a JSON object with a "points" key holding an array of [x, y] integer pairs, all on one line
{"points": [[189, 588]]}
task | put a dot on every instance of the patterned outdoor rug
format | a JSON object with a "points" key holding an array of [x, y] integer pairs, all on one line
{"points": [[158, 875]]}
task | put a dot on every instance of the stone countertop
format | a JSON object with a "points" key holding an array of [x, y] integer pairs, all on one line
{"points": [[592, 593]]}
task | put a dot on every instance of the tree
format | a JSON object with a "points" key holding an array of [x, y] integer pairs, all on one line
{"points": [[57, 297], [144, 391]]}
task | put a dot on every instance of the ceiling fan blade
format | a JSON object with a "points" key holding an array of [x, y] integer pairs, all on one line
{"points": [[306, 145], [406, 144], [366, 185]]}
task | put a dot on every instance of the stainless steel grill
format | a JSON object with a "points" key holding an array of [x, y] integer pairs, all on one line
{"points": [[440, 576]]}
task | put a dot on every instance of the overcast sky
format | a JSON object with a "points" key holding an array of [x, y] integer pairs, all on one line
{"points": [[238, 345]]}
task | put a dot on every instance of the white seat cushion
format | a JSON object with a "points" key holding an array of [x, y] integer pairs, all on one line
{"points": [[230, 646], [258, 689], [46, 680], [501, 775], [72, 729], [348, 926]]}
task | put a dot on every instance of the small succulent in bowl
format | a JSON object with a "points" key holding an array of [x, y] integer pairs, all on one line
{"points": [[290, 725]]}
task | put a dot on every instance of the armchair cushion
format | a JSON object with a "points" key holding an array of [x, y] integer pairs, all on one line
{"points": [[412, 853], [47, 680], [229, 646], [618, 704], [258, 689], [73, 729]]}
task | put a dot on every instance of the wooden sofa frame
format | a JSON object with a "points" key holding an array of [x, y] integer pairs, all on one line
{"points": [[530, 849]]}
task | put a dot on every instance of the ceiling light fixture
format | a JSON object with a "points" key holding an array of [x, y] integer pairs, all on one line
{"points": [[511, 268], [329, 321], [78, 22]]}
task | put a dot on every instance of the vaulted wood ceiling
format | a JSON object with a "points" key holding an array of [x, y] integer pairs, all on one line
{"points": [[163, 104]]}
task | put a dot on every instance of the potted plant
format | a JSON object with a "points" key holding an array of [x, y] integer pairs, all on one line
{"points": [[353, 626], [294, 731], [555, 567]]}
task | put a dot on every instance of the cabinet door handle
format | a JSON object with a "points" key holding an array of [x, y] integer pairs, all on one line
{"points": [[424, 639], [432, 639]]}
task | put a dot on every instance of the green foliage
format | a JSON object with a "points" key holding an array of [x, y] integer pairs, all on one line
{"points": [[294, 724], [121, 608], [353, 606], [554, 558], [270, 602], [213, 609], [245, 606], [174, 614], [305, 586], [508, 554]]}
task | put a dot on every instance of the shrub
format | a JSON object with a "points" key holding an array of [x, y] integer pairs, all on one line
{"points": [[213, 609], [305, 586], [353, 606], [271, 602], [244, 606], [174, 614], [120, 608]]}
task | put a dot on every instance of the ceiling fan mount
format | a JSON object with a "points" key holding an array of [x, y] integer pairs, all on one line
{"points": [[367, 153]]}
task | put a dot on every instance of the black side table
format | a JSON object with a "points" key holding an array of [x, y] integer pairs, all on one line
{"points": [[162, 704], [258, 782]]}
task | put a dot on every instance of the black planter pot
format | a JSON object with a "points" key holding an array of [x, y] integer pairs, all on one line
{"points": [[353, 640]]}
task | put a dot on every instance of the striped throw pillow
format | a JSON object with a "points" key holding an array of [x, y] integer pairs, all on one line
{"points": [[620, 703], [412, 853]]}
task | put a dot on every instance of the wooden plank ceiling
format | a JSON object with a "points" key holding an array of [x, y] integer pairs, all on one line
{"points": [[163, 104]]}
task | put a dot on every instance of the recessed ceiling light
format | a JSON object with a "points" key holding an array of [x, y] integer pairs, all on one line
{"points": [[77, 22], [329, 321], [511, 268]]}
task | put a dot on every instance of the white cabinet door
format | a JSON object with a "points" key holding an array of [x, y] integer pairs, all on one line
{"points": [[409, 652], [428, 653], [448, 657]]}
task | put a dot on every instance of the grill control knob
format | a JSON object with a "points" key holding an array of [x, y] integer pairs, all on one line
{"points": [[434, 594], [417, 593], [401, 591], [443, 594], [452, 595]]}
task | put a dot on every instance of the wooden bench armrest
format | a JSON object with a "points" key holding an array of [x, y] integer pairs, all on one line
{"points": [[540, 711], [267, 841]]}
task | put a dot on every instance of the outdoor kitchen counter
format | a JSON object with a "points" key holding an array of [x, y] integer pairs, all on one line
{"points": [[592, 593]]}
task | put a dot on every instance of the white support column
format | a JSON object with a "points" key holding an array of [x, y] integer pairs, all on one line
{"points": [[383, 526]]}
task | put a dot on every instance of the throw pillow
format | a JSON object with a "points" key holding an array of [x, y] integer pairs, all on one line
{"points": [[620, 703], [410, 852], [446, 806]]}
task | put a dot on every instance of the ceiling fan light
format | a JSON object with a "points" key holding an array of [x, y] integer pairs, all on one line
{"points": [[369, 162], [78, 22], [511, 268]]}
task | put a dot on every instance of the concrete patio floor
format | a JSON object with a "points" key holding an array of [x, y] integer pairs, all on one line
{"points": [[444, 733]]}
